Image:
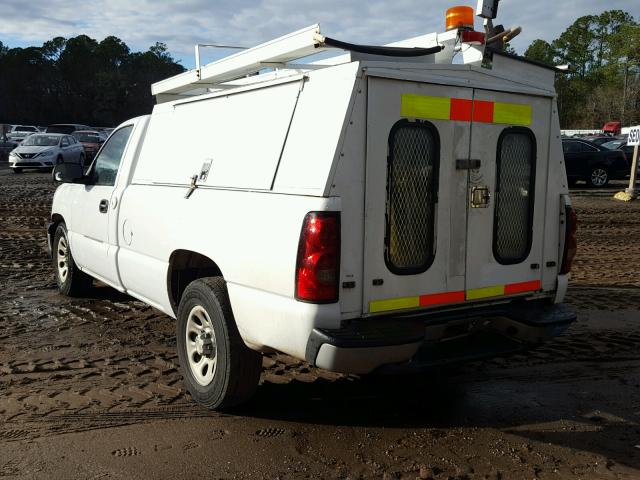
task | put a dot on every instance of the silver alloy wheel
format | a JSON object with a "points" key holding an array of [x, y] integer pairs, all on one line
{"points": [[599, 177], [62, 258], [201, 345]]}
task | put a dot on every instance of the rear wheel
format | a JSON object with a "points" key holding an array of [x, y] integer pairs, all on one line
{"points": [[71, 280], [219, 369], [599, 177], [17, 170]]}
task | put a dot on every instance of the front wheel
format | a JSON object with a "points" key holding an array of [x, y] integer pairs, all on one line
{"points": [[219, 369], [17, 170], [71, 280], [599, 177]]}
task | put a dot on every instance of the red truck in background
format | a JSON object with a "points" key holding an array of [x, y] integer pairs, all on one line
{"points": [[612, 128]]}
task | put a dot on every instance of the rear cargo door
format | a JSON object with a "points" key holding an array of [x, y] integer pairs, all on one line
{"points": [[415, 223], [507, 179]]}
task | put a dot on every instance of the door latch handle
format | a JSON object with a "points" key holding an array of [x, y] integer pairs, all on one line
{"points": [[468, 164], [104, 206], [480, 197]]}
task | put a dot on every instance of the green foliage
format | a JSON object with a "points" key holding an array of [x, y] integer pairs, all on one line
{"points": [[603, 52], [541, 51], [80, 80]]}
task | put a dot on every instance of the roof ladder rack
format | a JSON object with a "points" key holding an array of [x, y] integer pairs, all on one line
{"points": [[293, 46]]}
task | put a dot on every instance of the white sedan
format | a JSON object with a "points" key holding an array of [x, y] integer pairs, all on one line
{"points": [[46, 150], [19, 132]]}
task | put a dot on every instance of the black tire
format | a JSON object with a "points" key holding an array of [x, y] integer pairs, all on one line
{"points": [[17, 170], [237, 370], [75, 282], [598, 177]]}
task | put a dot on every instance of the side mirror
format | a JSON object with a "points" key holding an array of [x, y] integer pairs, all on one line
{"points": [[68, 173]]}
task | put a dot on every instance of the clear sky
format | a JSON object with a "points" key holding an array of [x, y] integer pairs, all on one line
{"points": [[141, 23]]}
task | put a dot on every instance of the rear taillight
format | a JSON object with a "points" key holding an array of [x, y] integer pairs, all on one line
{"points": [[570, 241], [318, 263]]}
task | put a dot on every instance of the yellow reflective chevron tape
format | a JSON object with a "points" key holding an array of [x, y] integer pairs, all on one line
{"points": [[486, 292], [420, 106], [449, 298], [512, 113], [393, 304], [464, 110]]}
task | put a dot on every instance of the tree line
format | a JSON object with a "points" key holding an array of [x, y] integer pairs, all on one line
{"points": [[103, 83], [603, 83], [80, 80]]}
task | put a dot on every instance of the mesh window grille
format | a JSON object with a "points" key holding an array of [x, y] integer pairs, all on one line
{"points": [[515, 184], [411, 197]]}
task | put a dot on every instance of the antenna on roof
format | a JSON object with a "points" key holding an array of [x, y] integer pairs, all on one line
{"points": [[487, 9]]}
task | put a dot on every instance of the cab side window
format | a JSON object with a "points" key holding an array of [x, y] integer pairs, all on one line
{"points": [[65, 142], [105, 167]]}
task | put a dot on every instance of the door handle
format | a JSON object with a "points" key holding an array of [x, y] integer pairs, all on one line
{"points": [[104, 206], [480, 197]]}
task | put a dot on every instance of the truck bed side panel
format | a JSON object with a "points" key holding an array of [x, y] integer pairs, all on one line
{"points": [[251, 236]]}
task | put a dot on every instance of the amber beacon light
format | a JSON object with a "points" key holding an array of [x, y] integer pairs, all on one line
{"points": [[460, 17]]}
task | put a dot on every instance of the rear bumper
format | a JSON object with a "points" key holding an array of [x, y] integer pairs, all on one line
{"points": [[434, 339]]}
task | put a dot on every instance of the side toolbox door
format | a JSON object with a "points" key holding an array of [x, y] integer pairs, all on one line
{"points": [[415, 227], [507, 194], [94, 234]]}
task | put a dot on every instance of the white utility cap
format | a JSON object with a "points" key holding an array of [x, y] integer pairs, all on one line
{"points": [[487, 8]]}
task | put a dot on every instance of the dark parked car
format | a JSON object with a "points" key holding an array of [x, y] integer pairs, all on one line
{"points": [[598, 139], [619, 144], [592, 163], [66, 128]]}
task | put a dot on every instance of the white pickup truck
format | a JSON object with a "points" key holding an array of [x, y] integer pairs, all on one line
{"points": [[386, 209]]}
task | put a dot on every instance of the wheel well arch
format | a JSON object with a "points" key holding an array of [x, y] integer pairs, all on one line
{"points": [[185, 266], [56, 219]]}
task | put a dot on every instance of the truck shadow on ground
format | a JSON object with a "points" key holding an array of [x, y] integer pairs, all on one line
{"points": [[535, 409]]}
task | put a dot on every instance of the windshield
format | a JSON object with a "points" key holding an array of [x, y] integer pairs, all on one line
{"points": [[41, 140], [87, 137], [25, 129], [614, 145]]}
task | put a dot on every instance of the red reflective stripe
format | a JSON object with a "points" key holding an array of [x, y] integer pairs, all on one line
{"points": [[482, 111], [441, 298], [461, 109], [522, 287]]}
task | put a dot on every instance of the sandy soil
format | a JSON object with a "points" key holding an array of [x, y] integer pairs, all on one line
{"points": [[90, 388]]}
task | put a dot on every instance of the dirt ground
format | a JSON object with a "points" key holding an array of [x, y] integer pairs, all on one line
{"points": [[90, 388]]}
